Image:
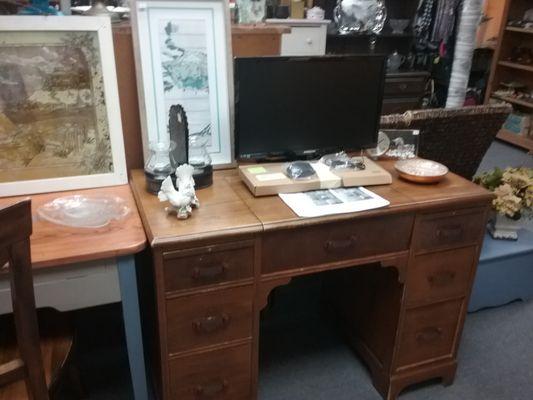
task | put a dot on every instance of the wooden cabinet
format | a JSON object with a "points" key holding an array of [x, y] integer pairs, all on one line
{"points": [[404, 91], [400, 281]]}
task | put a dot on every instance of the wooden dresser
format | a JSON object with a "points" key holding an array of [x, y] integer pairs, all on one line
{"points": [[403, 304]]}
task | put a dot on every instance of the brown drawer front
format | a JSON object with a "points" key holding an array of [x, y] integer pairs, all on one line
{"points": [[452, 229], [208, 319], [404, 86], [315, 245], [220, 374], [440, 276], [429, 333], [399, 105], [208, 265]]}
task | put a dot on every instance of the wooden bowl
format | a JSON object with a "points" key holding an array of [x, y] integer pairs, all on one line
{"points": [[419, 170]]}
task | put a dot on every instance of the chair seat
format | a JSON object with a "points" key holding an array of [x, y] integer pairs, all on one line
{"points": [[56, 344]]}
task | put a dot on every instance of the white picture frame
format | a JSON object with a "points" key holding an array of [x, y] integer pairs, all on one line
{"points": [[199, 33], [95, 127]]}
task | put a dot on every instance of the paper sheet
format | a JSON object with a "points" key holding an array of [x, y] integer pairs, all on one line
{"points": [[333, 201]]}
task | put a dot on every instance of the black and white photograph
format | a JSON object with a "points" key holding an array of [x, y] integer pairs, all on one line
{"points": [[323, 197]]}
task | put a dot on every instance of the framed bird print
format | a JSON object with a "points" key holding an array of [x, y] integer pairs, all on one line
{"points": [[60, 126], [183, 58]]}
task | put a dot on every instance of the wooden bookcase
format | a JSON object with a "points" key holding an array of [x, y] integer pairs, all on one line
{"points": [[504, 70]]}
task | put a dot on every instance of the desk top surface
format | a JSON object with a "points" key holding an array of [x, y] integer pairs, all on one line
{"points": [[56, 245], [228, 207]]}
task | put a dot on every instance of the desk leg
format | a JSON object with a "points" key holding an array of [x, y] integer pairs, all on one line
{"points": [[132, 324]]}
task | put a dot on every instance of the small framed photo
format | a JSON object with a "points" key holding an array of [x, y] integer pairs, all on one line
{"points": [[183, 58], [402, 143], [60, 125]]}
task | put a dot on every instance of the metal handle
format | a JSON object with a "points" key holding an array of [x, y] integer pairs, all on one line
{"points": [[339, 245], [403, 86], [211, 389], [429, 335], [211, 323], [209, 273], [451, 232], [442, 278]]}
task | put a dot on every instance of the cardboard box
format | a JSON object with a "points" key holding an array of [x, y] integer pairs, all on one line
{"points": [[270, 179]]}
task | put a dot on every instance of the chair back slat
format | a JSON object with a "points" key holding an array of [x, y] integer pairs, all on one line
{"points": [[15, 231]]}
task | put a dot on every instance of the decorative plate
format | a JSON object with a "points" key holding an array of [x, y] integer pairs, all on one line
{"points": [[420, 170], [382, 147], [82, 211], [360, 16]]}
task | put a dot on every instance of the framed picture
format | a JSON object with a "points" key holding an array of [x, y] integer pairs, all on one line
{"points": [[60, 125], [183, 57]]}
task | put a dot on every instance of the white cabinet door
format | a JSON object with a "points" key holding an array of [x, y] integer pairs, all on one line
{"points": [[304, 41]]}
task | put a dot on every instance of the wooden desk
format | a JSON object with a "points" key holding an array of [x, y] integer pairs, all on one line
{"points": [[403, 307], [56, 250]]}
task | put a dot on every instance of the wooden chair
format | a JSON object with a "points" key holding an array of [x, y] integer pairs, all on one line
{"points": [[23, 374], [457, 138]]}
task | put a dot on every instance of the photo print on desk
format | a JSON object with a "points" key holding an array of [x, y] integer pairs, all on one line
{"points": [[57, 86], [183, 57]]}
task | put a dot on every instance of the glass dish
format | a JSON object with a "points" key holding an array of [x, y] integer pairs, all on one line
{"points": [[81, 211]]}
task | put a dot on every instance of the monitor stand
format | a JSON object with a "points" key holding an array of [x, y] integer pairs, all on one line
{"points": [[271, 178]]}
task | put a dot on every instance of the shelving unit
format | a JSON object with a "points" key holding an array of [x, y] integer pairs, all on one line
{"points": [[505, 70]]}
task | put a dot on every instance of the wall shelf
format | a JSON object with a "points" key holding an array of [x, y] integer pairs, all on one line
{"points": [[512, 100], [520, 30], [520, 141], [523, 67]]}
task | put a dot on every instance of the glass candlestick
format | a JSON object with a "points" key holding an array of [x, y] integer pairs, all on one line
{"points": [[158, 166], [199, 158]]}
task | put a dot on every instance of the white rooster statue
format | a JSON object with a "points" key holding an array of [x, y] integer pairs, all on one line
{"points": [[182, 199]]}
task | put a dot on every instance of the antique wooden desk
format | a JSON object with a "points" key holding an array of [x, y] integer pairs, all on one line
{"points": [[76, 268], [403, 305]]}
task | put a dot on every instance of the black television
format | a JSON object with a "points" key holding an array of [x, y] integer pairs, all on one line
{"points": [[300, 107]]}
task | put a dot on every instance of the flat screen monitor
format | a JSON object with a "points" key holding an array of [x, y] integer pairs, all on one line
{"points": [[298, 106]]}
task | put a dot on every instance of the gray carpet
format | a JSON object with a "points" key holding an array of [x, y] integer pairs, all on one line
{"points": [[303, 358], [309, 361]]}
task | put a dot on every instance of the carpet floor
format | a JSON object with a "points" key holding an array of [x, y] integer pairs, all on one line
{"points": [[304, 358]]}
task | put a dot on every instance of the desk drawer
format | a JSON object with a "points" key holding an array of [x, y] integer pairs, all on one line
{"points": [[334, 242], [440, 276], [208, 265], [450, 229], [207, 319], [220, 374], [429, 333], [404, 87], [304, 41]]}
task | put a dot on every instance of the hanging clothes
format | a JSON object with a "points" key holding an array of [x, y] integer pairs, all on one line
{"points": [[445, 18]]}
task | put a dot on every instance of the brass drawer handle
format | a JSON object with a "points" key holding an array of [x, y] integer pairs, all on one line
{"points": [[429, 335], [209, 273], [211, 389], [450, 233], [211, 323], [442, 278], [339, 245]]}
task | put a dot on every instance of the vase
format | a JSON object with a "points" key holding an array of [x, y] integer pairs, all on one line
{"points": [[503, 227]]}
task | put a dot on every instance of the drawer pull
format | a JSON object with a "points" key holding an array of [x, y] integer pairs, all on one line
{"points": [[309, 41], [403, 86], [450, 233], [429, 335], [443, 278], [210, 390], [339, 245], [210, 273], [211, 323]]}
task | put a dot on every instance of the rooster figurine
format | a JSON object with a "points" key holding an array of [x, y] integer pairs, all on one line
{"points": [[182, 199]]}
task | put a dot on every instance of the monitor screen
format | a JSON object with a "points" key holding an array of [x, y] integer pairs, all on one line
{"points": [[301, 105]]}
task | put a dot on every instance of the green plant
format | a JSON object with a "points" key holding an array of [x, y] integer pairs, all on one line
{"points": [[513, 188]]}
